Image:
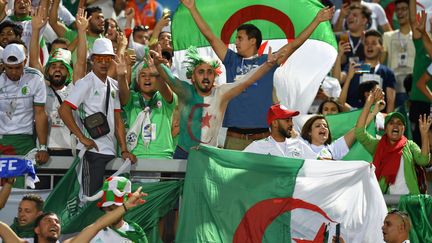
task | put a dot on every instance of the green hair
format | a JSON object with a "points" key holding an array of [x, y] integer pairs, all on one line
{"points": [[193, 59]]}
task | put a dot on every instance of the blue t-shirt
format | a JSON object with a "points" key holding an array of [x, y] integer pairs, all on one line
{"points": [[249, 109], [388, 81]]}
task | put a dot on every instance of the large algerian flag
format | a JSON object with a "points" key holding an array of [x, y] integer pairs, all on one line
{"points": [[279, 21], [232, 196], [74, 216]]}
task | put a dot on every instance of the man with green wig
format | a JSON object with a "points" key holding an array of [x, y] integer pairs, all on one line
{"points": [[58, 73], [203, 103]]}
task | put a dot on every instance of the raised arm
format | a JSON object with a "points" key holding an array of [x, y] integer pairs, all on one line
{"points": [[376, 97], [161, 86], [344, 93], [39, 19], [173, 82], [3, 9], [217, 44], [425, 122], [8, 235], [421, 27], [59, 28], [413, 21], [6, 190], [122, 81], [422, 85], [109, 218], [164, 21], [80, 67], [323, 15], [343, 13]]}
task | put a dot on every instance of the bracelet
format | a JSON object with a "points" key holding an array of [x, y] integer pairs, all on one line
{"points": [[43, 147], [125, 208]]}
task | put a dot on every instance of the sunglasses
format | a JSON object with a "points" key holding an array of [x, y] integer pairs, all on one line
{"points": [[103, 58]]}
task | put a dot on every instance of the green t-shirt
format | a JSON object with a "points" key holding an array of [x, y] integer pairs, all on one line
{"points": [[161, 115], [71, 35], [421, 62]]}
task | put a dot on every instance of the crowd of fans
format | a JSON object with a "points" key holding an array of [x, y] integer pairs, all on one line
{"points": [[104, 82]]}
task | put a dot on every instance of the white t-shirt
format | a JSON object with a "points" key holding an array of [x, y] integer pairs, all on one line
{"points": [[108, 235], [400, 55], [378, 15], [59, 134], [399, 187], [299, 148], [88, 97], [17, 99]]}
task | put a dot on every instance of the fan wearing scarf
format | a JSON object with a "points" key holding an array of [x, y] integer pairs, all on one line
{"points": [[203, 103], [115, 194], [394, 156], [149, 112]]}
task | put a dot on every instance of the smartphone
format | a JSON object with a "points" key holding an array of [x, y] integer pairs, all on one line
{"points": [[364, 68]]}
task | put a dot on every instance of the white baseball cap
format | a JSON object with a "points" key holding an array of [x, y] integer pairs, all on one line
{"points": [[102, 46], [14, 54]]}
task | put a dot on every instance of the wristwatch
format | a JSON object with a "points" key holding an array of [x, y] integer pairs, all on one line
{"points": [[43, 147]]}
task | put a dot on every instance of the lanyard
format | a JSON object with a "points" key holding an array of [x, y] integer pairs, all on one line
{"points": [[354, 48], [403, 44]]}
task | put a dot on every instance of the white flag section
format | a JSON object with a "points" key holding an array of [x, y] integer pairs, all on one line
{"points": [[348, 192], [297, 81]]}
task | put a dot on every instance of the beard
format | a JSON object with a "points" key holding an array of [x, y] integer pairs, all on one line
{"points": [[57, 82], [285, 133], [95, 29], [204, 88]]}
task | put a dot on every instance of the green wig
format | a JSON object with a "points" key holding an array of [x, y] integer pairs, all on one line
{"points": [[193, 59]]}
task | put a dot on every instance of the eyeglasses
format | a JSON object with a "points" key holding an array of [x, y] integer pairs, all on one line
{"points": [[103, 58]]}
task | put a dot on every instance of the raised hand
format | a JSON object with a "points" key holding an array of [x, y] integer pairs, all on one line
{"points": [[343, 47], [188, 3], [344, 10], [121, 40], [157, 57], [420, 23], [325, 14], [425, 122], [353, 68], [121, 65], [130, 13], [82, 21], [39, 18], [135, 199]]}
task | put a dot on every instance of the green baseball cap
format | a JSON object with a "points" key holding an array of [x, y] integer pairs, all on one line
{"points": [[394, 114]]}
